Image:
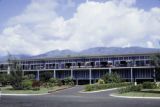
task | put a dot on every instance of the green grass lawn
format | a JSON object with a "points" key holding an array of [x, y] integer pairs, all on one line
{"points": [[9, 90], [143, 93]]}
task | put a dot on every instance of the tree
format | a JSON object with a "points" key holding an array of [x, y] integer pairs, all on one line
{"points": [[16, 77], [156, 62], [16, 73]]}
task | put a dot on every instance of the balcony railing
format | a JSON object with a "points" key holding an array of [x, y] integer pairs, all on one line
{"points": [[71, 66]]}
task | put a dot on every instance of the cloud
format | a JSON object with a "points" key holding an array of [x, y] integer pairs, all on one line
{"points": [[39, 11], [150, 44], [112, 23]]}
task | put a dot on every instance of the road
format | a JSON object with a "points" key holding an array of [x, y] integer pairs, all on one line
{"points": [[72, 98]]}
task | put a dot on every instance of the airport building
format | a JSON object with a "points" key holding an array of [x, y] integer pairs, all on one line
{"points": [[88, 69]]}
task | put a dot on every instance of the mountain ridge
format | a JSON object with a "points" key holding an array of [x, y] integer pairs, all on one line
{"points": [[90, 51]]}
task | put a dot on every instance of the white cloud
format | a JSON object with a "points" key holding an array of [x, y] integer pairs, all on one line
{"points": [[39, 11], [150, 44], [112, 23]]}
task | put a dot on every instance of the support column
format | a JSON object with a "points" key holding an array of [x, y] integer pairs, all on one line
{"points": [[71, 73], [90, 76], [54, 73], [154, 75], [110, 71], [131, 74], [37, 77], [77, 81], [8, 70]]}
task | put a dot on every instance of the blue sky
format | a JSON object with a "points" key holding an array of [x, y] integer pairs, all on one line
{"points": [[10, 8], [71, 23]]}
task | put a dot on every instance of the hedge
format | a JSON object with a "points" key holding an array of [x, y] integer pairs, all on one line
{"points": [[27, 84], [149, 85], [131, 88], [95, 87]]}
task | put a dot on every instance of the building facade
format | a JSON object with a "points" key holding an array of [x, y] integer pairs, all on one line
{"points": [[88, 69]]}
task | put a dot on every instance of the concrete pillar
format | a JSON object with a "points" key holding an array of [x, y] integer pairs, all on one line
{"points": [[77, 81], [131, 74], [37, 77], [72, 73], [8, 70], [94, 80], [154, 75], [110, 71], [54, 73], [90, 76]]}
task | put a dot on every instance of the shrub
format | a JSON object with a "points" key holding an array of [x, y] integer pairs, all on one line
{"points": [[29, 77], [124, 90], [149, 85], [89, 88], [101, 81], [94, 87], [112, 78], [158, 84], [68, 81], [137, 87], [36, 84], [71, 83], [59, 82], [55, 81], [4, 79], [48, 85], [45, 76], [27, 84], [130, 88]]}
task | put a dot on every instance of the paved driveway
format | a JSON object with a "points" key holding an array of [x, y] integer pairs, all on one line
{"points": [[72, 98]]}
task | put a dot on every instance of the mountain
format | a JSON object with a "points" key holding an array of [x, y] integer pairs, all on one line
{"points": [[118, 50], [3, 59], [98, 51], [56, 53], [20, 56], [90, 51]]}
